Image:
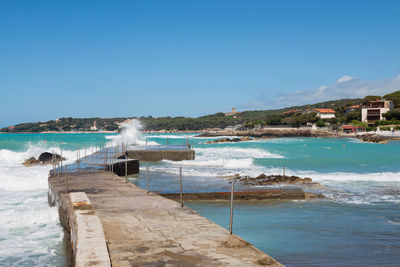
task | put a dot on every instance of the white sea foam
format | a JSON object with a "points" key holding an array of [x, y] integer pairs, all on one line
{"points": [[393, 222], [29, 228], [170, 136], [130, 134], [224, 161], [349, 176], [286, 140], [235, 152]]}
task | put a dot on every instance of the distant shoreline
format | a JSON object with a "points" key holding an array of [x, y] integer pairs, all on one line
{"points": [[261, 133], [96, 132], [56, 132]]}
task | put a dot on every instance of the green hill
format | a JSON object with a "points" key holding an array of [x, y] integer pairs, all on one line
{"points": [[218, 120]]}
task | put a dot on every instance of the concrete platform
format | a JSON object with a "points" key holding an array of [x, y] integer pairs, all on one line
{"points": [[281, 194], [158, 155], [145, 229]]}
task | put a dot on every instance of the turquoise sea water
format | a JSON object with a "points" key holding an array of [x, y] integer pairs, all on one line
{"points": [[358, 223]]}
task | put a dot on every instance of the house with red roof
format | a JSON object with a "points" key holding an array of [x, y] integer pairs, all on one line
{"points": [[325, 113], [351, 109]]}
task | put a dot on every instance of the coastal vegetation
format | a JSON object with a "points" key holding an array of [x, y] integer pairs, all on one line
{"points": [[292, 116]]}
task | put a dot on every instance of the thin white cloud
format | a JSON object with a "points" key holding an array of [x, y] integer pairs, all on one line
{"points": [[346, 86], [345, 78]]}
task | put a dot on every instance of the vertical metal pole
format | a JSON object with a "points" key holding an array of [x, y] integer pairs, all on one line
{"points": [[146, 143], [180, 186], [77, 157], [85, 151], [231, 214], [66, 179], [61, 165], [105, 156], [54, 165], [284, 171], [112, 164], [126, 168], [58, 170], [147, 177]]}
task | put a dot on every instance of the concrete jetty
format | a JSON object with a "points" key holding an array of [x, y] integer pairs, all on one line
{"points": [[155, 153], [140, 228], [279, 194]]}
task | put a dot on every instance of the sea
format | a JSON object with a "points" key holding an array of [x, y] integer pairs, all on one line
{"points": [[356, 224]]}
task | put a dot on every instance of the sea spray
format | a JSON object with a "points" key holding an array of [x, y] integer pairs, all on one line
{"points": [[130, 134], [30, 233]]}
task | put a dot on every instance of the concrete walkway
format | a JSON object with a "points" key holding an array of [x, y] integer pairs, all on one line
{"points": [[144, 229]]}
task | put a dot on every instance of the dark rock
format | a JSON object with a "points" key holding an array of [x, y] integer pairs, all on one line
{"points": [[263, 179], [31, 162], [373, 138], [47, 157], [229, 140]]}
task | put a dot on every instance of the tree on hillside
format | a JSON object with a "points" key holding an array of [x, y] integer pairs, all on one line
{"points": [[354, 115], [392, 114], [365, 101], [395, 97]]}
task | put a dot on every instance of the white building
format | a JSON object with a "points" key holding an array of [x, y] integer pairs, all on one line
{"points": [[233, 128], [374, 110], [94, 127], [325, 113]]}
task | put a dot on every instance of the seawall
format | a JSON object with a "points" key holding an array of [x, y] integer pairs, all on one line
{"points": [[158, 155], [140, 228], [277, 194]]}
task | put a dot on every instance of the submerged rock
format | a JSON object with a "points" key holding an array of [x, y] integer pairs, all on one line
{"points": [[263, 179], [229, 140]]}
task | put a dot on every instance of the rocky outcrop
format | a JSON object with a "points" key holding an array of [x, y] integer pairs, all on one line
{"points": [[272, 133], [32, 161], [372, 138], [229, 140], [263, 179], [44, 158], [47, 158]]}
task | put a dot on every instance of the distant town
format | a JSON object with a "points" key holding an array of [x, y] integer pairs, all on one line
{"points": [[348, 115]]}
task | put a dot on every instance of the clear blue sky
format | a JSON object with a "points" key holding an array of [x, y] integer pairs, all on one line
{"points": [[130, 58]]}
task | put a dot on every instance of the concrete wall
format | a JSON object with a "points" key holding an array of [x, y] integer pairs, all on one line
{"points": [[87, 234], [119, 167], [158, 155], [84, 226], [290, 193]]}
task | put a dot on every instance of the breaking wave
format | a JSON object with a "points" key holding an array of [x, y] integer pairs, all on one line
{"points": [[30, 232], [130, 134]]}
